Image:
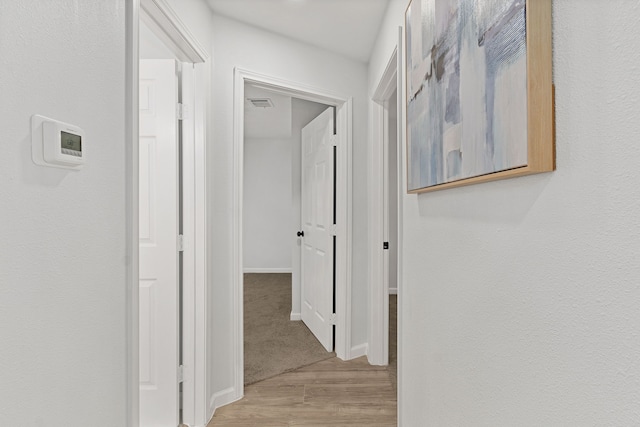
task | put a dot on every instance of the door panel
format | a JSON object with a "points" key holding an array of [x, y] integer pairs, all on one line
{"points": [[158, 213], [317, 220]]}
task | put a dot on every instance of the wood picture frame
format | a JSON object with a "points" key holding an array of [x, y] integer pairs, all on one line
{"points": [[435, 120]]}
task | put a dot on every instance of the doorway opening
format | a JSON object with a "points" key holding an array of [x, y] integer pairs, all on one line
{"points": [[276, 338], [342, 119]]}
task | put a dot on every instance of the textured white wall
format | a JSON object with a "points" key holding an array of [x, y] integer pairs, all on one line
{"points": [[197, 16], [244, 46], [268, 210], [151, 47], [62, 258], [520, 300]]}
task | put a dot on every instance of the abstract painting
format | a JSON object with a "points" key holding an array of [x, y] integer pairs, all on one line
{"points": [[467, 90]]}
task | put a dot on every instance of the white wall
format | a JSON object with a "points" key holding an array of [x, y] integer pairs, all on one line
{"points": [[151, 47], [62, 258], [268, 212], [520, 300], [272, 197], [259, 51], [62, 264]]}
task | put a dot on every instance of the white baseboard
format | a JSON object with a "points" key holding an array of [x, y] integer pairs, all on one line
{"points": [[359, 351], [295, 316], [222, 398], [393, 291], [267, 270]]}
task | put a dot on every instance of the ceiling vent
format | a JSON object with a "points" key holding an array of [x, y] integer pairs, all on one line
{"points": [[261, 102]]}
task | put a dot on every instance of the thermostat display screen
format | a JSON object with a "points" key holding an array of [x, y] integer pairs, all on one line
{"points": [[70, 141]]}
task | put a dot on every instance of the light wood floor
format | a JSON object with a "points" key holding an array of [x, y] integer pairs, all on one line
{"points": [[328, 393]]}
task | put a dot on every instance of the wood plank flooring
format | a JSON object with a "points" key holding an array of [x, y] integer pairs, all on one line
{"points": [[327, 393]]}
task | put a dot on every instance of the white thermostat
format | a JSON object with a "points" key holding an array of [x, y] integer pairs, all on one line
{"points": [[57, 144]]}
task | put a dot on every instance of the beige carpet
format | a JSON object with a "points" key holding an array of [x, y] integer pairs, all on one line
{"points": [[273, 344]]}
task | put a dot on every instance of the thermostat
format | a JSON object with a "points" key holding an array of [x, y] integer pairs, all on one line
{"points": [[57, 144]]}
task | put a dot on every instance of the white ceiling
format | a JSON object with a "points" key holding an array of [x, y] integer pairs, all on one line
{"points": [[347, 27]]}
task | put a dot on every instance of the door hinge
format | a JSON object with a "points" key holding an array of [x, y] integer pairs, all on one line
{"points": [[334, 229], [332, 319], [180, 374], [385, 245], [334, 140], [182, 111], [180, 243]]}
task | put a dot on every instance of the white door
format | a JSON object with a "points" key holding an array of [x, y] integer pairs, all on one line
{"points": [[317, 224], [158, 244]]}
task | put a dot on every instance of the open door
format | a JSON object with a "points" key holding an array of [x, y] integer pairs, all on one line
{"points": [[159, 269], [318, 247]]}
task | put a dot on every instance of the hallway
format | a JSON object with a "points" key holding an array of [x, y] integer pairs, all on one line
{"points": [[328, 393]]}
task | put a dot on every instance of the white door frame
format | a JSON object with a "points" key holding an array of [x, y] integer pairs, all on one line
{"points": [[159, 16], [379, 315], [344, 105]]}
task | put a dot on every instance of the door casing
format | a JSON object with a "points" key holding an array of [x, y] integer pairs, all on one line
{"points": [[344, 107], [159, 16], [390, 81]]}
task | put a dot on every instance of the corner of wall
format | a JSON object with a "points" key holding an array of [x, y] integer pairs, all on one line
{"points": [[359, 351], [222, 398]]}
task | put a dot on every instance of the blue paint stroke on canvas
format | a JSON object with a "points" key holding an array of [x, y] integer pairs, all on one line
{"points": [[466, 89]]}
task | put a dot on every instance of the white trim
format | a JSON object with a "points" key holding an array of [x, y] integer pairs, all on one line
{"points": [[237, 279], [166, 24], [202, 73], [344, 107], [162, 20], [289, 88], [402, 176], [132, 392], [189, 249], [378, 257], [194, 257], [393, 291], [294, 317], [344, 251], [267, 270], [359, 350], [221, 398]]}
